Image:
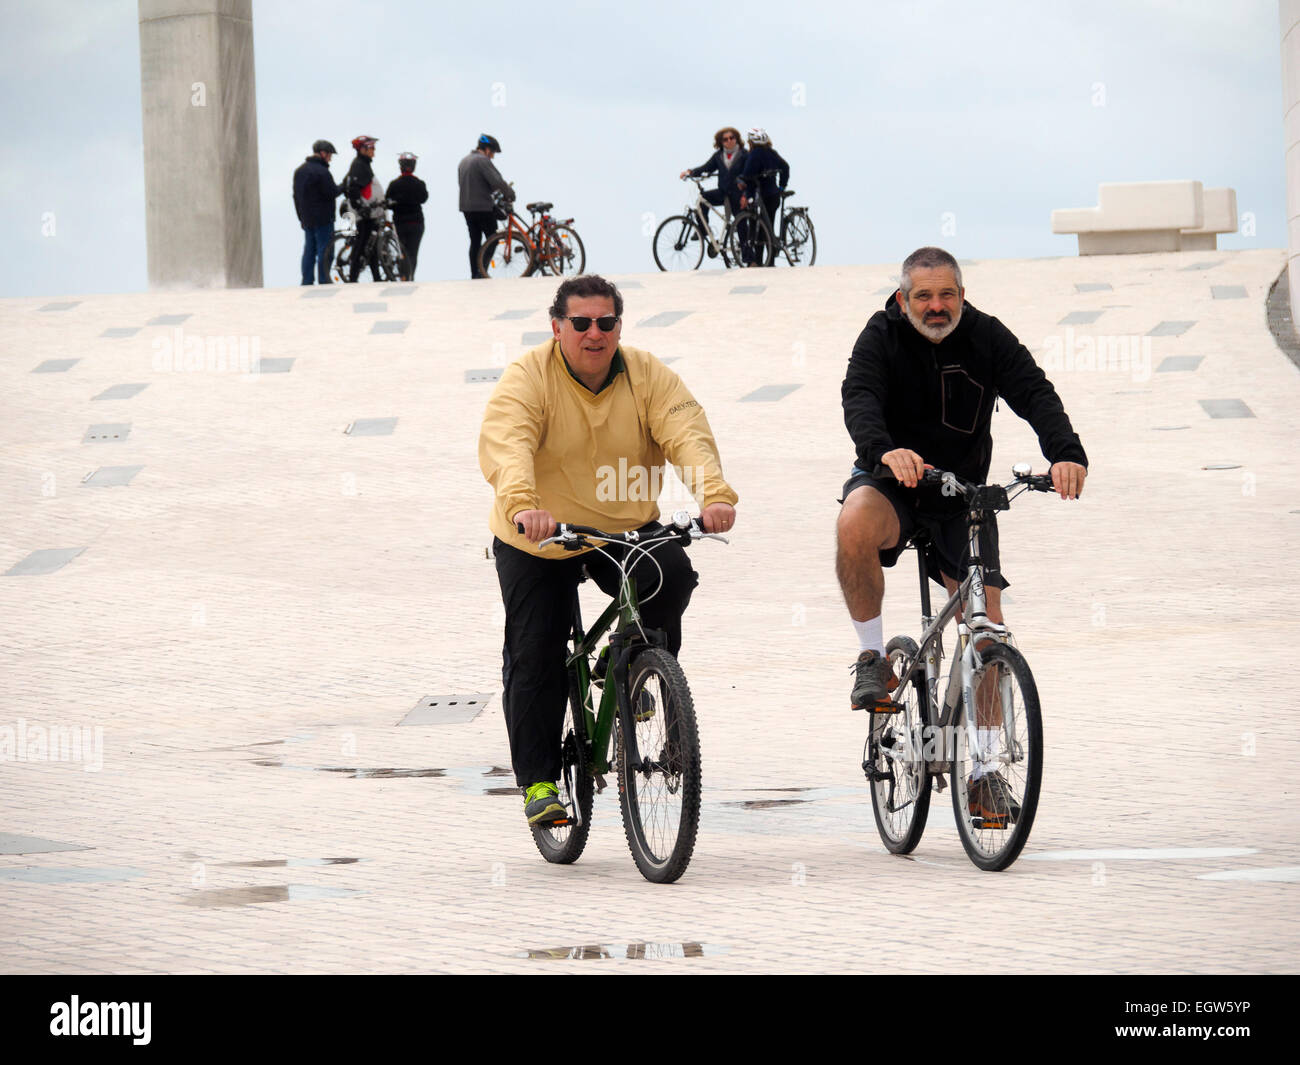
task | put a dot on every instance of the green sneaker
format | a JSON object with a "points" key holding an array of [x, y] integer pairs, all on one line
{"points": [[542, 804]]}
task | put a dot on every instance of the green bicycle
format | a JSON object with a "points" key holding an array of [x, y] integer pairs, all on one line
{"points": [[645, 709]]}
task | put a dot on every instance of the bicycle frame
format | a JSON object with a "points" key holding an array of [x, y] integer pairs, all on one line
{"points": [[702, 210]]}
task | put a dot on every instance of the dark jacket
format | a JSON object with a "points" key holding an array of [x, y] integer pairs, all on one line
{"points": [[937, 399], [406, 193], [360, 174], [726, 175], [314, 192], [764, 158]]}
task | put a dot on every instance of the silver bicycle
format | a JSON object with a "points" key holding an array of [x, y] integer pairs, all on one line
{"points": [[682, 240]]}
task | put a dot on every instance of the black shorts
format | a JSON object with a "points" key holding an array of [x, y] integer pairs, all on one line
{"points": [[948, 551]]}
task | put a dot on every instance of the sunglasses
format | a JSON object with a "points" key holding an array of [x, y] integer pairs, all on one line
{"points": [[582, 324]]}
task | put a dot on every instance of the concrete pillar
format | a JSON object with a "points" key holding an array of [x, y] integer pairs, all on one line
{"points": [[202, 207], [1289, 13]]}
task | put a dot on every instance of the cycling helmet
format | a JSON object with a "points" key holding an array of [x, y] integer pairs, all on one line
{"points": [[406, 161], [364, 142], [758, 136], [324, 146], [486, 140]]}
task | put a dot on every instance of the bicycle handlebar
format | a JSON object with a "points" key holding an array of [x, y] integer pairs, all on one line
{"points": [[1034, 482], [683, 528]]}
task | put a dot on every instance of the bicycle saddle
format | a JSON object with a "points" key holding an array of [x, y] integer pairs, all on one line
{"points": [[539, 207], [786, 192]]}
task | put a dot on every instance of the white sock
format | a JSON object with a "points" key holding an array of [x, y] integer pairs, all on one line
{"points": [[871, 635], [986, 758]]}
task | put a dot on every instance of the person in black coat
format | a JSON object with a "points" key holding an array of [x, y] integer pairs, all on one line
{"points": [[356, 186], [405, 194], [727, 162], [313, 198], [762, 159], [921, 387]]}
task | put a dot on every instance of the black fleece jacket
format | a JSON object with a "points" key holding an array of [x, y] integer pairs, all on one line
{"points": [[901, 390]]}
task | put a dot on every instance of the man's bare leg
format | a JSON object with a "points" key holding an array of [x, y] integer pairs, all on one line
{"points": [[867, 523]]}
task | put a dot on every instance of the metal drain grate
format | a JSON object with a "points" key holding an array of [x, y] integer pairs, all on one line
{"points": [[111, 476], [748, 290], [274, 365], [1092, 286], [474, 377], [119, 331], [11, 844], [169, 319], [663, 318], [1171, 329], [369, 308], [1080, 318], [121, 392], [533, 339], [1228, 292], [506, 316], [56, 365], [446, 709], [389, 327], [1179, 363], [107, 432], [1226, 408], [46, 560], [769, 393], [58, 306]]}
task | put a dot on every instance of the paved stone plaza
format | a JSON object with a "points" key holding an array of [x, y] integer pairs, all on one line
{"points": [[237, 612]]}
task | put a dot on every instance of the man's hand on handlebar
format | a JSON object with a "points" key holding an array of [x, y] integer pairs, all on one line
{"points": [[1067, 479], [718, 517], [907, 466], [536, 525]]}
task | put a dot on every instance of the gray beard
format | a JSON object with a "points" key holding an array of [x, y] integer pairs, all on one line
{"points": [[934, 333]]}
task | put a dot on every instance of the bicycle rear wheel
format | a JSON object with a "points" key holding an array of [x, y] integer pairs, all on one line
{"points": [[569, 256], [564, 843], [895, 761], [800, 245], [390, 256], [506, 254], [678, 244], [658, 752], [994, 814]]}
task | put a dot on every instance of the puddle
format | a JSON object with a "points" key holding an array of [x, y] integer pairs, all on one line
{"points": [[249, 896], [68, 875], [482, 779], [301, 737], [355, 772], [765, 804], [277, 863], [634, 951]]}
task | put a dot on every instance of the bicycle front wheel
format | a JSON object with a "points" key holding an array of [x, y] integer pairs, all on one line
{"points": [[678, 244], [564, 843], [569, 256], [749, 240], [658, 751], [506, 254], [895, 762], [341, 250], [800, 245], [996, 778]]}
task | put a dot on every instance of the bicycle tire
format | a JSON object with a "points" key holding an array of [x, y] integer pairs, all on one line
{"points": [[341, 256], [994, 848], [563, 844], [506, 254], [799, 247], [762, 245], [658, 762], [678, 244], [390, 256], [569, 256], [901, 801]]}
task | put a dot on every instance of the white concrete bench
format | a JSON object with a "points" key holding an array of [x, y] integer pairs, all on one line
{"points": [[1145, 216]]}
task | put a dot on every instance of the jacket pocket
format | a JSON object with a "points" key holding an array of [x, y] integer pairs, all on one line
{"points": [[963, 397]]}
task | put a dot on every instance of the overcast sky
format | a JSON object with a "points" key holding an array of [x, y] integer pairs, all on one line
{"points": [[904, 123]]}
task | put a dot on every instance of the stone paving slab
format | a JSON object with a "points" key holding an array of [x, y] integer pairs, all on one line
{"points": [[247, 627]]}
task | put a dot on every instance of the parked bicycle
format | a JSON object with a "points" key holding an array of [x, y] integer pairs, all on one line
{"points": [[383, 248], [985, 732], [682, 240], [788, 239], [645, 709], [545, 246]]}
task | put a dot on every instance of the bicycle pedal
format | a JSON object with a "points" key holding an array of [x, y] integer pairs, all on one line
{"points": [[713, 252], [992, 823]]}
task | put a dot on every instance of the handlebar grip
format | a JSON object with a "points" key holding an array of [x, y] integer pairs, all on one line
{"points": [[519, 526]]}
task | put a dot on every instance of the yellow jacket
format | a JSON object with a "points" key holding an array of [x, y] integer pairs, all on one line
{"points": [[548, 443]]}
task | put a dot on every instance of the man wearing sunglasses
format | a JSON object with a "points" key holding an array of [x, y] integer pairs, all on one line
{"points": [[560, 420]]}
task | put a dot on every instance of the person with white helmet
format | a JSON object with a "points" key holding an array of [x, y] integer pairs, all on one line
{"points": [[478, 179], [763, 159], [405, 194]]}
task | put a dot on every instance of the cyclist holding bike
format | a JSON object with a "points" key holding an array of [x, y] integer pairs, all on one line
{"points": [[728, 162], [479, 178], [920, 390], [364, 194], [757, 179], [577, 430]]}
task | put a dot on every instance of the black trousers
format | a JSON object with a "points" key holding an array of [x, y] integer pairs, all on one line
{"points": [[481, 224], [538, 594], [410, 234], [365, 229]]}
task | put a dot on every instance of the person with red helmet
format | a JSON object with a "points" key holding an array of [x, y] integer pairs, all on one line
{"points": [[360, 188], [405, 194]]}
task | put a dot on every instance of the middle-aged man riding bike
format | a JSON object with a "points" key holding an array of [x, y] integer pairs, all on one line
{"points": [[561, 418], [920, 391]]}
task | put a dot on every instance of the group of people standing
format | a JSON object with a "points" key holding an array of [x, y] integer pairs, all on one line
{"points": [[314, 193], [746, 171]]}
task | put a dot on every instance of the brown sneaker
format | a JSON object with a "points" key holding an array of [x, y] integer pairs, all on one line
{"points": [[991, 800], [874, 682]]}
